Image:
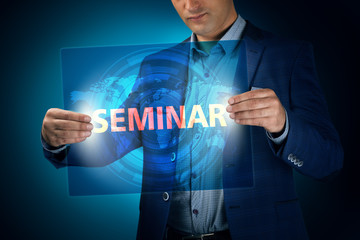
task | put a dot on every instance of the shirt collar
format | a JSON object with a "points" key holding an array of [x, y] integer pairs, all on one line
{"points": [[228, 40]]}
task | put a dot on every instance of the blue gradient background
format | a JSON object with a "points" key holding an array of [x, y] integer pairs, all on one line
{"points": [[34, 195]]}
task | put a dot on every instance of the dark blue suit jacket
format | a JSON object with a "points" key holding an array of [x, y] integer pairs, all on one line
{"points": [[259, 194]]}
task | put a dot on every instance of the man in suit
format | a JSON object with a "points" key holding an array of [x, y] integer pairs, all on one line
{"points": [[281, 124]]}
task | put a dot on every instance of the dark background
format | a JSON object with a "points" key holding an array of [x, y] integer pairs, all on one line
{"points": [[34, 197]]}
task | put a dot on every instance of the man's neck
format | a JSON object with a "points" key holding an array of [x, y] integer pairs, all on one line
{"points": [[207, 43], [206, 46]]}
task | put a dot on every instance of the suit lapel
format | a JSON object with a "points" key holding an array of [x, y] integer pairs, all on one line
{"points": [[238, 164], [254, 51]]}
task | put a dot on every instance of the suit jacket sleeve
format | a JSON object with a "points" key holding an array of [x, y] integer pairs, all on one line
{"points": [[312, 146]]}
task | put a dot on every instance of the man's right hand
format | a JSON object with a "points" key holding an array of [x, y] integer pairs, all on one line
{"points": [[62, 127]]}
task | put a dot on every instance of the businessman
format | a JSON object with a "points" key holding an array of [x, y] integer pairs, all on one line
{"points": [[281, 123]]}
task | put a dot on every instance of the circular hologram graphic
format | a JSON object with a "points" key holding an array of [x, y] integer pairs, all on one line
{"points": [[115, 86]]}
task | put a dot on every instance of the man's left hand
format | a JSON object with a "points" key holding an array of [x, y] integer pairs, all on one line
{"points": [[259, 107]]}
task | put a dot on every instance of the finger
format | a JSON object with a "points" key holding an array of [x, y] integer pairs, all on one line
{"points": [[258, 93], [258, 113], [71, 134], [251, 104], [260, 122], [63, 141], [68, 115], [60, 124], [75, 140]]}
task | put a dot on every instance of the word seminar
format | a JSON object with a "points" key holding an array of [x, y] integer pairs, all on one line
{"points": [[118, 122]]}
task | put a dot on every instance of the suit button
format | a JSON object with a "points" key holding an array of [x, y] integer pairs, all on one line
{"points": [[165, 196], [292, 157], [300, 163]]}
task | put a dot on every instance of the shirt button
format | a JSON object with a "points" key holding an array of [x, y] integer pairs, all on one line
{"points": [[195, 211], [206, 75], [165, 196], [193, 175], [173, 156]]}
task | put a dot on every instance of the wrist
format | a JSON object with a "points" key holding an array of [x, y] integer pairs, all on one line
{"points": [[278, 134], [48, 146], [279, 137]]}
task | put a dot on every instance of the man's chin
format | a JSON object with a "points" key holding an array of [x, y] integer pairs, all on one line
{"points": [[199, 28]]}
